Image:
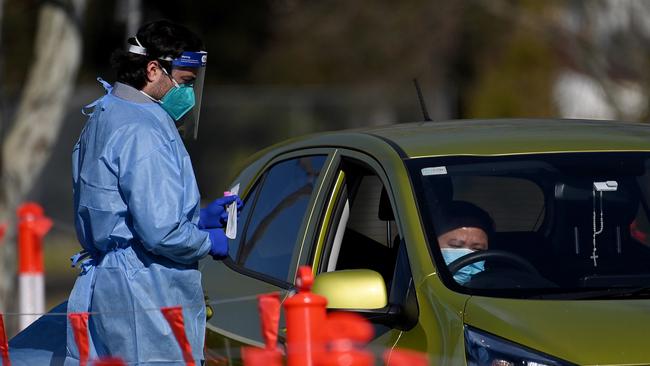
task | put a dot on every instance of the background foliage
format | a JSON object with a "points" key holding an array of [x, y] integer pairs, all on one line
{"points": [[282, 68]]}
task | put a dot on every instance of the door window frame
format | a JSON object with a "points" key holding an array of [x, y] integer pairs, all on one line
{"points": [[312, 208], [331, 198]]}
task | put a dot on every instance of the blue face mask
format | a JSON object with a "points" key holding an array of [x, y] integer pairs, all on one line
{"points": [[465, 273]]}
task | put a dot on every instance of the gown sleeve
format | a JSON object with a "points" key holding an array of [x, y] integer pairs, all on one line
{"points": [[155, 193]]}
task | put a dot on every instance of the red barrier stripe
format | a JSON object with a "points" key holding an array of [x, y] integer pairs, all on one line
{"points": [[269, 308], [79, 323], [253, 356], [174, 316], [32, 227], [4, 345], [30, 244]]}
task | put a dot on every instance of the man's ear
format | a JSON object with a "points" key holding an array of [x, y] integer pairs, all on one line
{"points": [[153, 69]]}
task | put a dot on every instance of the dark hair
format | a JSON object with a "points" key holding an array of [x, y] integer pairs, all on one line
{"points": [[162, 39], [456, 214]]}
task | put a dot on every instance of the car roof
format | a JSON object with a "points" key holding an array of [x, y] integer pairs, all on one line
{"points": [[503, 137]]}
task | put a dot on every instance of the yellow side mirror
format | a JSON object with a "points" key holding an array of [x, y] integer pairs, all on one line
{"points": [[352, 289]]}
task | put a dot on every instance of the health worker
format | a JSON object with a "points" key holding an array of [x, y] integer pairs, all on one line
{"points": [[136, 204]]}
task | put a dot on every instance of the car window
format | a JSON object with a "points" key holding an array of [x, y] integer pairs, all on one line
{"points": [[364, 235], [270, 235], [366, 228], [564, 223]]}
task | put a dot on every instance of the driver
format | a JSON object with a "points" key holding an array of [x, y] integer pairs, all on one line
{"points": [[463, 228]]}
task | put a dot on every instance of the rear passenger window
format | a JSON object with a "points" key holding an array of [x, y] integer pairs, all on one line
{"points": [[271, 234]]}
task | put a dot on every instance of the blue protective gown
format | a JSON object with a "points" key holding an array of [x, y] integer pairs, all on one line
{"points": [[136, 207]]}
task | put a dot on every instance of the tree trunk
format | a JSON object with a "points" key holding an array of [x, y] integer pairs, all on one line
{"points": [[2, 101], [27, 146]]}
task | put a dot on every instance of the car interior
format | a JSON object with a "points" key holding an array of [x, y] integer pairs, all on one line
{"points": [[575, 219], [365, 234], [559, 242]]}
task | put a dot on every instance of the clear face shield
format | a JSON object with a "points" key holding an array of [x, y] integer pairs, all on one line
{"points": [[188, 71]]}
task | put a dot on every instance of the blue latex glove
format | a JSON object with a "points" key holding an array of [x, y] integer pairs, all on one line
{"points": [[215, 215], [219, 247]]}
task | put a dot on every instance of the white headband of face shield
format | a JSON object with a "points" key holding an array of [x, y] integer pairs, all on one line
{"points": [[140, 50]]}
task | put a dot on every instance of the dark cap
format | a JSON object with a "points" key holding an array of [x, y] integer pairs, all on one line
{"points": [[457, 214]]}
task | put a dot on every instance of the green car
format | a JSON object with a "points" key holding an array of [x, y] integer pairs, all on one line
{"points": [[563, 278]]}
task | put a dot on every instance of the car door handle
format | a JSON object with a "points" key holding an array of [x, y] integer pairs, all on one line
{"points": [[209, 312]]}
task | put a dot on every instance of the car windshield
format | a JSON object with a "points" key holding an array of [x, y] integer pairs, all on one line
{"points": [[569, 225]]}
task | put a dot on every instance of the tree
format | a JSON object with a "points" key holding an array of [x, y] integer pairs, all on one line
{"points": [[607, 44], [27, 146], [580, 60]]}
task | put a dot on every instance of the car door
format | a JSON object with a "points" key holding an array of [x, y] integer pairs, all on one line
{"points": [[278, 208], [358, 230]]}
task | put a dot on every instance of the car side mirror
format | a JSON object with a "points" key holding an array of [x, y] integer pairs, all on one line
{"points": [[352, 289]]}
